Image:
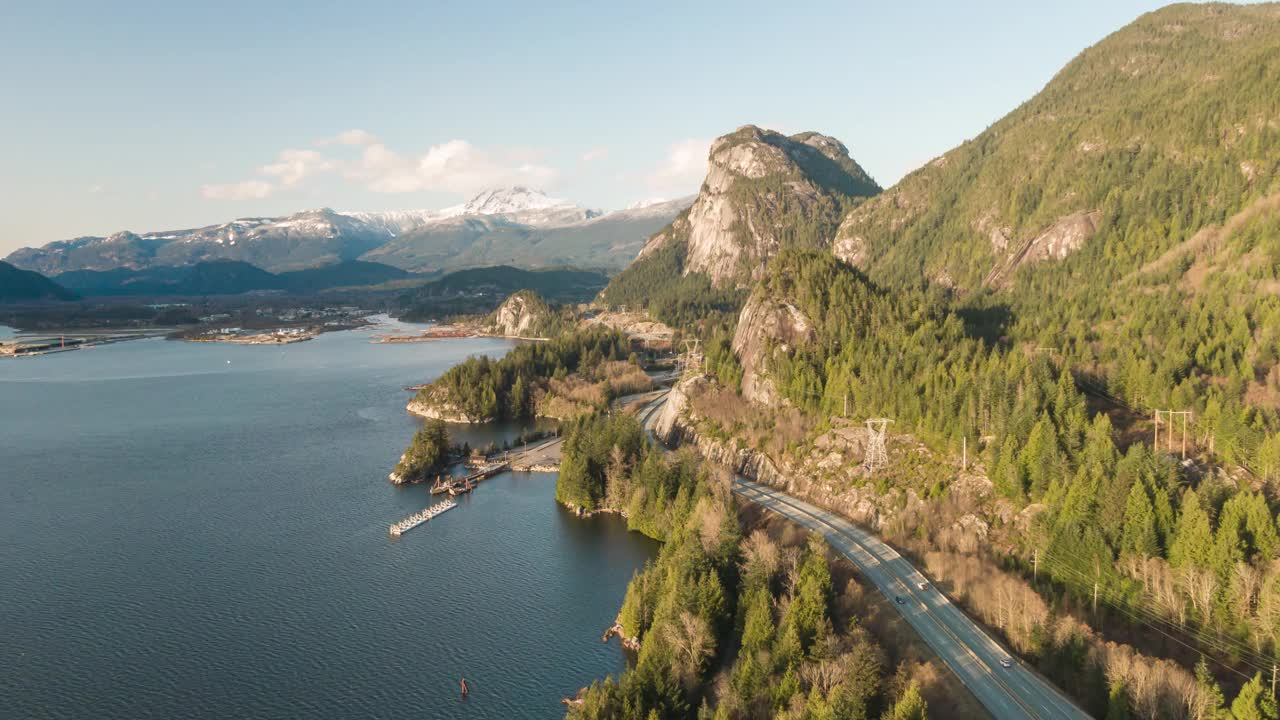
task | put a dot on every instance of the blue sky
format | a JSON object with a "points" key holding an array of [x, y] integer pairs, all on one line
{"points": [[156, 115]]}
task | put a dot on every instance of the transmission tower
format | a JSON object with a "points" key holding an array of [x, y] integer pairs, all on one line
{"points": [[876, 456], [692, 358]]}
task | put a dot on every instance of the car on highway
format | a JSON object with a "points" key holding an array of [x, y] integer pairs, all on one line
{"points": [[899, 599], [923, 585], [1006, 663]]}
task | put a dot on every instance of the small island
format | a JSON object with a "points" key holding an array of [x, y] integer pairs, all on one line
{"points": [[428, 452]]}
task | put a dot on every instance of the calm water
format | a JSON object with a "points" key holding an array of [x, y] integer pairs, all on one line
{"points": [[183, 536]]}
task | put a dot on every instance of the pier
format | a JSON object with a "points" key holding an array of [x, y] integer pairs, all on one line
{"points": [[486, 472], [418, 518]]}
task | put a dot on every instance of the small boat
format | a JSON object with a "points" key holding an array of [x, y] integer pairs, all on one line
{"points": [[439, 487]]}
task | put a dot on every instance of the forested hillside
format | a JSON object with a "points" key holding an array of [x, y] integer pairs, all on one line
{"points": [[21, 285], [1165, 127], [1021, 307], [1125, 217]]}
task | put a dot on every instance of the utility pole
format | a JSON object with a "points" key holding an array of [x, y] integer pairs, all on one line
{"points": [[846, 404], [1035, 564], [1155, 442], [1273, 681], [1095, 596], [1186, 415], [964, 449]]}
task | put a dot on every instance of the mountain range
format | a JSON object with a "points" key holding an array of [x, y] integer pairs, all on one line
{"points": [[517, 226]]}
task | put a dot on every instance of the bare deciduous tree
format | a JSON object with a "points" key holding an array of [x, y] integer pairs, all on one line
{"points": [[692, 642]]}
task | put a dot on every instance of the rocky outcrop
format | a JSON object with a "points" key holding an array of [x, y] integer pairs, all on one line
{"points": [[666, 423], [760, 185], [522, 315], [826, 471], [630, 643], [767, 327], [431, 404], [397, 478], [1056, 242]]}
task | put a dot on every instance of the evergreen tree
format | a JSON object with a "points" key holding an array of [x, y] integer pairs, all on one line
{"points": [[1210, 700], [1140, 536], [911, 706], [1118, 703], [758, 629], [1254, 702], [1193, 538]]}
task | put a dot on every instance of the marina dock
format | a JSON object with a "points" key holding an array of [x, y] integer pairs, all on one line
{"points": [[418, 518], [486, 472]]}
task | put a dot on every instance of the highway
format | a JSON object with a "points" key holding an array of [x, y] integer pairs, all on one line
{"points": [[972, 654]]}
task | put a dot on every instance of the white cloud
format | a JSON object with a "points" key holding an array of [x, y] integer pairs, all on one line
{"points": [[294, 165], [247, 190], [684, 167], [354, 136], [455, 166], [595, 154]]}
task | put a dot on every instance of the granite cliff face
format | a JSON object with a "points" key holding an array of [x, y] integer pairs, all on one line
{"points": [[764, 191], [524, 314], [767, 327]]}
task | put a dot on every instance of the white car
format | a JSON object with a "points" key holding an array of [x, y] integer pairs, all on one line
{"points": [[1006, 663], [923, 585]]}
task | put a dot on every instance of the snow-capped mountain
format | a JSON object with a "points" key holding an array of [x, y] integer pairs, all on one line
{"points": [[492, 227], [511, 200]]}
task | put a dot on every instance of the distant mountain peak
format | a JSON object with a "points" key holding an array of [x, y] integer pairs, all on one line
{"points": [[503, 201], [647, 202]]}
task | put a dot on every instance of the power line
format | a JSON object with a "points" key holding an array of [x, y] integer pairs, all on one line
{"points": [[1230, 644], [1136, 615], [1223, 645]]}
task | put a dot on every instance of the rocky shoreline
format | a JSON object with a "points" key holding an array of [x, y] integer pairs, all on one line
{"points": [[439, 409]]}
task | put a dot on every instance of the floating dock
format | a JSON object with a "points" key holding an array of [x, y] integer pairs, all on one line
{"points": [[418, 518]]}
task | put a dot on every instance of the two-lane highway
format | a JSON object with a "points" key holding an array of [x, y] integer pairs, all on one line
{"points": [[974, 656]]}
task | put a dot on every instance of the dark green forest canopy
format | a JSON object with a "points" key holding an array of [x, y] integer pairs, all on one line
{"points": [[713, 599], [487, 388]]}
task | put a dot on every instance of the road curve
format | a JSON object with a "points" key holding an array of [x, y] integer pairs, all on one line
{"points": [[972, 654]]}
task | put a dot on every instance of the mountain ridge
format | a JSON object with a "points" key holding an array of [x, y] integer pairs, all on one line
{"points": [[322, 236]]}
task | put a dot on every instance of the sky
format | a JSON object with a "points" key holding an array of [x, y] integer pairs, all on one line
{"points": [[148, 116]]}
